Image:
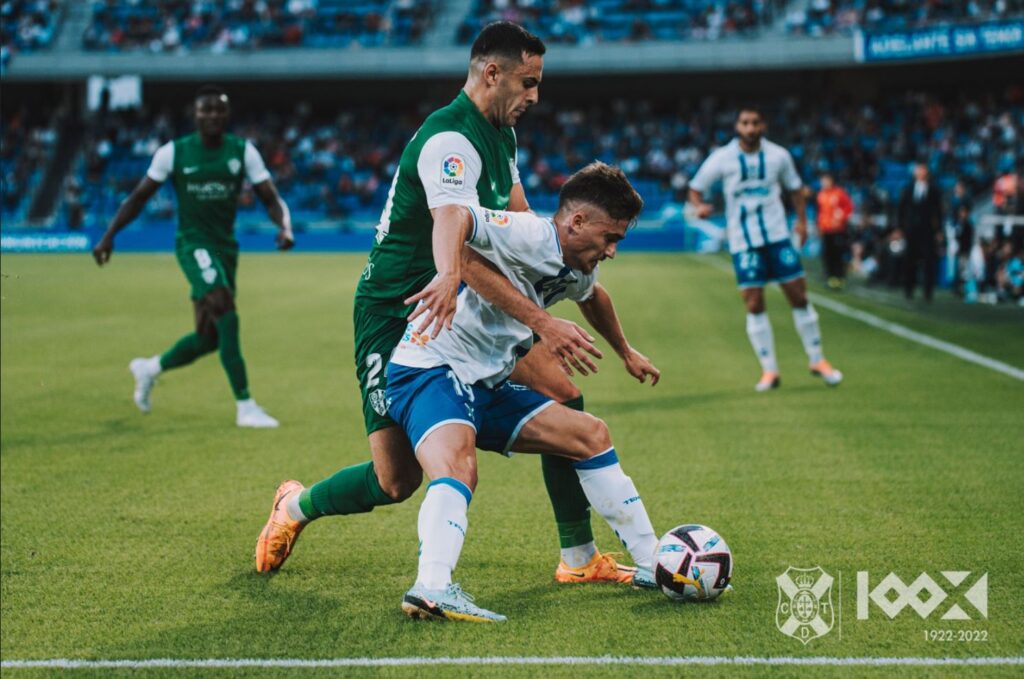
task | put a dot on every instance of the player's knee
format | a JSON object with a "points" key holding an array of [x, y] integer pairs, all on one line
{"points": [[754, 302], [593, 438], [400, 487], [218, 302]]}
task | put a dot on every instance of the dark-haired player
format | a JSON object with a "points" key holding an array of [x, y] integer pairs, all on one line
{"points": [[753, 172], [463, 155], [207, 168], [452, 393]]}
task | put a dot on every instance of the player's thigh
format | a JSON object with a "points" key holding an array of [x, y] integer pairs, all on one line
{"points": [[375, 338], [558, 430], [504, 411], [784, 263], [422, 400], [207, 268], [541, 371]]}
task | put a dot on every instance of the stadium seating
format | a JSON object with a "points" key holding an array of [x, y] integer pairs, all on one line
{"points": [[221, 25], [824, 17], [578, 22], [26, 25], [26, 142]]}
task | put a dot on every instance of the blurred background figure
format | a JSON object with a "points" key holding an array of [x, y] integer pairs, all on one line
{"points": [[834, 210], [920, 220]]}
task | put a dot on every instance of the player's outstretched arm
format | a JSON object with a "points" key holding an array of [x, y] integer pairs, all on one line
{"points": [[452, 227], [567, 341], [278, 212], [126, 213], [600, 313]]}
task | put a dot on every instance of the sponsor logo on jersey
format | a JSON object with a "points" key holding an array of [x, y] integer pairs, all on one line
{"points": [[190, 170], [209, 190], [453, 171], [497, 218], [234, 165]]}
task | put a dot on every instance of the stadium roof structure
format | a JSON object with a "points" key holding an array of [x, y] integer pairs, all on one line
{"points": [[772, 52]]}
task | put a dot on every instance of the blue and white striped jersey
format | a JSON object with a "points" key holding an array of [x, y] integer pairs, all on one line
{"points": [[752, 184]]}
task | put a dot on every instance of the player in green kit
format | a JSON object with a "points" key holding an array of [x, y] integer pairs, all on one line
{"points": [[207, 169], [463, 154]]}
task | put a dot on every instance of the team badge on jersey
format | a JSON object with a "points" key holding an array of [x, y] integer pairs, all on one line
{"points": [[379, 402], [234, 165], [453, 171], [497, 218]]}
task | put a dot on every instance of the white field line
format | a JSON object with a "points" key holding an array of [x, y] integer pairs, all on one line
{"points": [[919, 337], [902, 331], [61, 663]]}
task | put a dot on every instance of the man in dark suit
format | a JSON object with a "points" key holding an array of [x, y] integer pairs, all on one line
{"points": [[920, 219]]}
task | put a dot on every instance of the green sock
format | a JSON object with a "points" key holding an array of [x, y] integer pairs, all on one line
{"points": [[187, 349], [231, 354], [572, 509], [353, 490]]}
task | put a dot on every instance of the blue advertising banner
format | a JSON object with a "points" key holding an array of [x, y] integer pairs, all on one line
{"points": [[940, 41]]}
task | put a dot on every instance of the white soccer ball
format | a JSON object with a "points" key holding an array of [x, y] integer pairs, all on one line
{"points": [[692, 563]]}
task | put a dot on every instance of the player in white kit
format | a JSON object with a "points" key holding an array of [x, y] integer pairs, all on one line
{"points": [[753, 172], [451, 393]]}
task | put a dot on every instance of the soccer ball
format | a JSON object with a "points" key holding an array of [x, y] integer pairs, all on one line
{"points": [[692, 563]]}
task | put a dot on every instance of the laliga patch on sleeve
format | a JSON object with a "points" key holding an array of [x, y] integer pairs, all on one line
{"points": [[497, 218], [453, 171]]}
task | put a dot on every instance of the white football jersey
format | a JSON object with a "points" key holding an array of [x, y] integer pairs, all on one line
{"points": [[752, 184], [484, 342]]}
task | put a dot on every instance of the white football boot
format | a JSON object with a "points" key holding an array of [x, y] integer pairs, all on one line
{"points": [[251, 415]]}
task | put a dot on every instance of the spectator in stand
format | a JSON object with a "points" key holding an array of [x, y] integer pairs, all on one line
{"points": [[964, 227], [1011, 277], [920, 221], [834, 210], [1006, 193]]}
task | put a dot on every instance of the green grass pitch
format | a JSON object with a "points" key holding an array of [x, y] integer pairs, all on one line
{"points": [[127, 536]]}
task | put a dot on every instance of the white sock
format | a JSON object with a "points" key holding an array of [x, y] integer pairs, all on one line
{"points": [[759, 330], [153, 365], [615, 498], [806, 321], [244, 403], [580, 555], [442, 530], [294, 509]]}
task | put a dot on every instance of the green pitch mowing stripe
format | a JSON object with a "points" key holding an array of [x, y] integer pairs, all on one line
{"points": [[512, 661], [131, 537]]}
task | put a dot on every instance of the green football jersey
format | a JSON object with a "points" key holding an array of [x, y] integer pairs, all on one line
{"points": [[456, 157], [208, 182]]}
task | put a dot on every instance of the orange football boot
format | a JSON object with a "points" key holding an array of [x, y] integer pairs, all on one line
{"points": [[279, 535], [602, 568], [768, 381], [825, 371]]}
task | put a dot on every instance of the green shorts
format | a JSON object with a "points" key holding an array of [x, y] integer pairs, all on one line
{"points": [[207, 267], [376, 336]]}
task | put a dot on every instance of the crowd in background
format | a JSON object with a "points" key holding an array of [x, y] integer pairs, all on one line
{"points": [[27, 139], [222, 25], [26, 25], [583, 23], [338, 166], [824, 17]]}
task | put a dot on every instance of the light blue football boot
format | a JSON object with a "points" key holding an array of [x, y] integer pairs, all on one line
{"points": [[644, 579], [450, 603]]}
